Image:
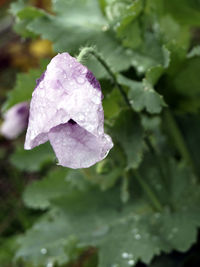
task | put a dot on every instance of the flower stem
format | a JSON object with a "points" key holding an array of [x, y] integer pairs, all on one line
{"points": [[90, 50], [156, 203], [158, 160], [178, 138]]}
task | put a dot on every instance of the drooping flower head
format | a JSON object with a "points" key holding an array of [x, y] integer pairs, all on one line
{"points": [[66, 109], [15, 120]]}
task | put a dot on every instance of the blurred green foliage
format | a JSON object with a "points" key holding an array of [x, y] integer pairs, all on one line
{"points": [[143, 199]]}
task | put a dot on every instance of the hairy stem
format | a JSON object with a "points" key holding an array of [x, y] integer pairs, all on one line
{"points": [[178, 138], [90, 50]]}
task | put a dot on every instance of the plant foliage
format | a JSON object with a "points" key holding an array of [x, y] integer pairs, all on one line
{"points": [[143, 199]]}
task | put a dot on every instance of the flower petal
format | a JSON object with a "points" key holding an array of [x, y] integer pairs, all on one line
{"points": [[15, 120], [66, 91], [77, 148]]}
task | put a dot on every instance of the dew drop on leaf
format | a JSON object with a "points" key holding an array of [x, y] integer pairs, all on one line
{"points": [[131, 262], [125, 255], [43, 251], [137, 236], [49, 264]]}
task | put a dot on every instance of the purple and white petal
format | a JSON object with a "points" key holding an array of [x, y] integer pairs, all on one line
{"points": [[15, 120], [66, 109]]}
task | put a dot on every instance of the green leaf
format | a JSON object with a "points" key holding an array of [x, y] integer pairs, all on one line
{"points": [[187, 12], [150, 123], [128, 132], [107, 172], [154, 73], [24, 15], [142, 95], [123, 11], [186, 84], [59, 182], [122, 16], [187, 81], [194, 52], [123, 233], [8, 247], [24, 87], [39, 193], [30, 12], [32, 160], [112, 104], [89, 27], [46, 243], [17, 6], [131, 36], [149, 54]]}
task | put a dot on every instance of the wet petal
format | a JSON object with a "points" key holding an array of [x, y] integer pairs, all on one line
{"points": [[67, 91], [77, 148]]}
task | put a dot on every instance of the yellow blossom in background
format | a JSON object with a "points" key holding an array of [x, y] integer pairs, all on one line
{"points": [[41, 48]]}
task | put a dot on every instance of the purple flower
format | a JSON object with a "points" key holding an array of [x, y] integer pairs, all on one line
{"points": [[66, 109], [15, 120]]}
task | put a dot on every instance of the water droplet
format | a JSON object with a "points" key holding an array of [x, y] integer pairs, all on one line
{"points": [[140, 69], [105, 28], [90, 128], [100, 130], [50, 264], [137, 236], [131, 262], [129, 52], [80, 80], [131, 102], [125, 255], [96, 100], [134, 62], [80, 117], [43, 251]]}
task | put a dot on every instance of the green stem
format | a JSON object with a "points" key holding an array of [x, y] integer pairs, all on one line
{"points": [[158, 160], [148, 191], [178, 138], [90, 50]]}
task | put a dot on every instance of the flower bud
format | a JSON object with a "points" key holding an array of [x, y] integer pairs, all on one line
{"points": [[66, 109], [15, 120]]}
